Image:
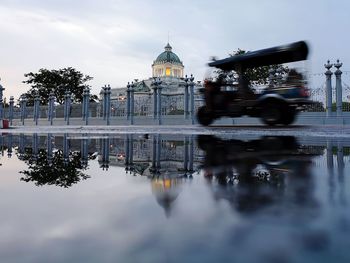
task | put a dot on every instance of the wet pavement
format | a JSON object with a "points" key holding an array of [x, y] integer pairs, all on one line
{"points": [[204, 195]]}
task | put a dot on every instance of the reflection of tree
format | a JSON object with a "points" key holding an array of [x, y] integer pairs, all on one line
{"points": [[55, 171]]}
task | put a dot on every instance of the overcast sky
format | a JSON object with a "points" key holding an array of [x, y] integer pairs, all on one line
{"points": [[117, 41]]}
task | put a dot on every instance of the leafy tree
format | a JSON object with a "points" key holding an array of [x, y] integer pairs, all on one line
{"points": [[58, 81], [258, 75]]}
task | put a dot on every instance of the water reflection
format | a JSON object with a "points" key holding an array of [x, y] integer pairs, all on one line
{"points": [[263, 173], [236, 192]]}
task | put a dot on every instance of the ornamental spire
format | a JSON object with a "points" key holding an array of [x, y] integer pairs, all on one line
{"points": [[168, 47]]}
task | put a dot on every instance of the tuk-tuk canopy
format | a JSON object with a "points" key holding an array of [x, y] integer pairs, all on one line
{"points": [[270, 56]]}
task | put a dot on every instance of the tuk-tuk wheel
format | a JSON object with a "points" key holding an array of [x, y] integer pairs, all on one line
{"points": [[289, 116], [272, 114], [204, 116]]}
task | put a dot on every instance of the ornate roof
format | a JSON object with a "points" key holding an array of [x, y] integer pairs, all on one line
{"points": [[167, 56]]}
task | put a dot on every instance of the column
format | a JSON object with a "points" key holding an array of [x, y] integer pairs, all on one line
{"points": [[330, 168], [84, 152], [23, 103], [128, 87], [108, 104], [126, 144], [51, 107], [36, 108], [86, 101], [1, 102], [155, 84], [104, 102], [186, 98], [65, 150], [159, 106], [12, 103], [35, 145], [67, 106], [328, 74], [186, 145], [9, 145], [132, 108], [105, 154], [49, 148], [192, 98], [338, 88]]}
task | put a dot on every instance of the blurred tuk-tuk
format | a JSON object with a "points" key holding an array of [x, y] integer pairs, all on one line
{"points": [[277, 103]]}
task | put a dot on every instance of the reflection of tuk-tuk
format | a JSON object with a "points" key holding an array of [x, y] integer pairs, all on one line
{"points": [[276, 104], [259, 173]]}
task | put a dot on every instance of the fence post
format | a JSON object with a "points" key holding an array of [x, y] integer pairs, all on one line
{"points": [[191, 84], [132, 108], [159, 107], [51, 106], [35, 146], [49, 148], [108, 104], [86, 100], [1, 102], [328, 74], [155, 83], [104, 102], [23, 106], [65, 149], [84, 152], [186, 97], [67, 106], [338, 89], [12, 102], [128, 87], [36, 108], [105, 143]]}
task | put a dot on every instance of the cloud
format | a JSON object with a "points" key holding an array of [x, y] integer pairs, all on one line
{"points": [[115, 41]]}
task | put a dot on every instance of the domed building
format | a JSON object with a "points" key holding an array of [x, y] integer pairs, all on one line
{"points": [[170, 69], [167, 64]]}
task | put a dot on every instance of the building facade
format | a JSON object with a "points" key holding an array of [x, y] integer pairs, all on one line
{"points": [[170, 70]]}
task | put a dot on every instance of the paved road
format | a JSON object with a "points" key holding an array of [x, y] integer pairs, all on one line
{"points": [[297, 130]]}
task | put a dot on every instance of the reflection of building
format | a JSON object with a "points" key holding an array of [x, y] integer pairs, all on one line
{"points": [[170, 69], [166, 189]]}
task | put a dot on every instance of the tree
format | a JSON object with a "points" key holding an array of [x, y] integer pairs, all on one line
{"points": [[58, 81], [258, 75]]}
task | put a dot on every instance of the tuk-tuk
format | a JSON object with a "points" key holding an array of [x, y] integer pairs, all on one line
{"points": [[276, 104]]}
